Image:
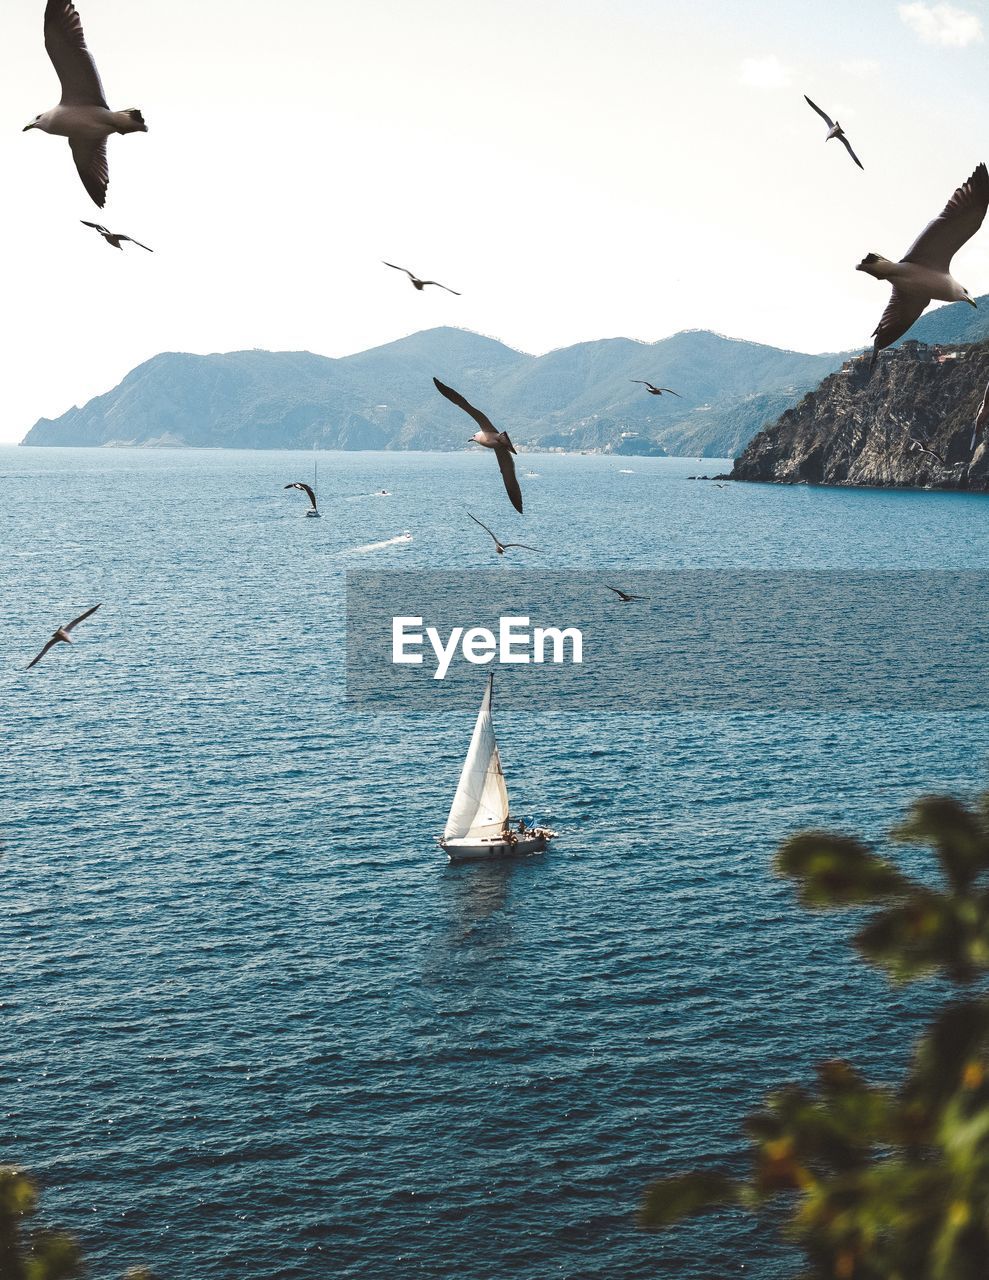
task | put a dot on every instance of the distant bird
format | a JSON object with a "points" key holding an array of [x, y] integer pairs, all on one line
{"points": [[111, 237], [419, 284], [490, 439], [307, 490], [82, 116], [924, 272], [62, 635], [835, 131], [980, 418], [501, 547], [624, 597], [918, 446], [720, 486], [655, 391]]}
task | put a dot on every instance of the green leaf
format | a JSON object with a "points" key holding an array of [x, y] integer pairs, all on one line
{"points": [[923, 934], [956, 834], [54, 1257], [673, 1198], [838, 871]]}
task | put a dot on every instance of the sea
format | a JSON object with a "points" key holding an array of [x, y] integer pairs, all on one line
{"points": [[253, 1025]]}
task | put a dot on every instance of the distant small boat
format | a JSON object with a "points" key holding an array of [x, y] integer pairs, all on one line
{"points": [[313, 512], [479, 823]]}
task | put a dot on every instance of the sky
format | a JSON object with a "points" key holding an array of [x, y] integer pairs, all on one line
{"points": [[579, 169]]}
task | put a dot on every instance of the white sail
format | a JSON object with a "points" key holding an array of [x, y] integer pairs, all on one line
{"points": [[480, 807]]}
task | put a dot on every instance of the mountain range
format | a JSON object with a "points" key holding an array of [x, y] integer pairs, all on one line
{"points": [[580, 397]]}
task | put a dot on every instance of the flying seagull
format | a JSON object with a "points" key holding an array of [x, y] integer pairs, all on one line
{"points": [[835, 131], [501, 547], [419, 284], [624, 597], [111, 237], [924, 272], [918, 446], [491, 439], [62, 634], [655, 391], [82, 115], [980, 418], [307, 490]]}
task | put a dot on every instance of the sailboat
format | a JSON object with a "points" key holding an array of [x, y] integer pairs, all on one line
{"points": [[479, 825], [313, 512]]}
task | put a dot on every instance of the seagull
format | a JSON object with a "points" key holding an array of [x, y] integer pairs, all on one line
{"points": [[835, 131], [306, 489], [62, 634], [918, 446], [111, 237], [419, 284], [624, 597], [980, 417], [82, 116], [655, 391], [491, 439], [924, 273], [502, 547]]}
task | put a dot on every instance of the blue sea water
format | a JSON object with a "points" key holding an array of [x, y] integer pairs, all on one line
{"points": [[254, 1026]]}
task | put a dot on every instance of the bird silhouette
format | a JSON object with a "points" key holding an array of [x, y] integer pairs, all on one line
{"points": [[307, 490], [835, 131], [61, 636], [624, 596], [111, 237], [490, 438], [82, 115], [655, 391], [923, 273], [501, 547], [417, 283]]}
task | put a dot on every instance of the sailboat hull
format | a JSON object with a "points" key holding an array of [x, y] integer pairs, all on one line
{"points": [[468, 850]]}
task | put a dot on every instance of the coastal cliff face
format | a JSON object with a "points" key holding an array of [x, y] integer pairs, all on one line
{"points": [[856, 429]]}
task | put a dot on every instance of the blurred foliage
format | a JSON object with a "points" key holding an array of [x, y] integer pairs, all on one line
{"points": [[875, 1182], [27, 1254]]}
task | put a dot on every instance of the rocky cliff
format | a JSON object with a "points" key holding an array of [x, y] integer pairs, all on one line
{"points": [[908, 425]]}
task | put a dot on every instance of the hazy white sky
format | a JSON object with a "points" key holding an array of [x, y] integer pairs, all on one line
{"points": [[579, 168]]}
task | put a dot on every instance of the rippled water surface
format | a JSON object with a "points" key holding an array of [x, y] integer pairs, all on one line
{"points": [[254, 1026]]}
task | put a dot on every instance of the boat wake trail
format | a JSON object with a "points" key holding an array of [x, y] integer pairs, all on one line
{"points": [[378, 546]]}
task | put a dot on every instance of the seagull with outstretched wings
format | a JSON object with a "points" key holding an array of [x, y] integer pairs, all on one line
{"points": [[61, 636], [417, 283], [918, 446], [653, 390], [924, 272], [306, 489], [835, 131], [82, 115], [112, 237], [624, 596], [490, 438], [501, 547]]}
